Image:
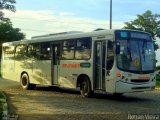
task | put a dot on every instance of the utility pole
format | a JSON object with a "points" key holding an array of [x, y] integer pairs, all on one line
{"points": [[110, 14]]}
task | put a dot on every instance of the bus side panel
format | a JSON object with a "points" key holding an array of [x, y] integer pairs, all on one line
{"points": [[8, 63], [70, 70], [41, 72], [111, 80], [8, 69], [22, 66]]}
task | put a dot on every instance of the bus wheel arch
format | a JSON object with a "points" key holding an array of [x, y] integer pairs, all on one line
{"points": [[25, 81], [84, 83]]}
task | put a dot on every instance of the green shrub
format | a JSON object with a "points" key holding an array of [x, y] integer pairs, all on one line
{"points": [[2, 100], [158, 81]]}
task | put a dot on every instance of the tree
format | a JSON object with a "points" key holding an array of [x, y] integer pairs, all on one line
{"points": [[6, 5], [7, 32], [147, 22]]}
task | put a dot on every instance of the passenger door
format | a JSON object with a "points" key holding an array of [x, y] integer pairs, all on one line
{"points": [[99, 65], [110, 81], [55, 63]]}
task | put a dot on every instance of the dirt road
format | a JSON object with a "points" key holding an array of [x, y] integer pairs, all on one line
{"points": [[47, 103]]}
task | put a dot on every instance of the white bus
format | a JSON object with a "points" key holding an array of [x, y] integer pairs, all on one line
{"points": [[114, 61]]}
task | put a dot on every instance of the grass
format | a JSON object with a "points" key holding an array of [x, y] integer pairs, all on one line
{"points": [[2, 100]]}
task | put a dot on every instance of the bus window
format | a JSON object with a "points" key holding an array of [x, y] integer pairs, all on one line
{"points": [[110, 55], [29, 51], [21, 52], [68, 49], [83, 48], [9, 52], [45, 53], [36, 51]]}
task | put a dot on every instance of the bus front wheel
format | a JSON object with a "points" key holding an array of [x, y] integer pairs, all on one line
{"points": [[25, 82], [85, 87]]}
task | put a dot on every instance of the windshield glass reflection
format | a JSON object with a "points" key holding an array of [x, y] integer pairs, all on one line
{"points": [[136, 55]]}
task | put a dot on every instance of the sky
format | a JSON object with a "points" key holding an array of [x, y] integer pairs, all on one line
{"points": [[39, 17]]}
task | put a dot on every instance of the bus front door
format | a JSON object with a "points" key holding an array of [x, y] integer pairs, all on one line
{"points": [[55, 63], [99, 65]]}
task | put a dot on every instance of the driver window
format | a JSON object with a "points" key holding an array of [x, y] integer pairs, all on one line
{"points": [[110, 55]]}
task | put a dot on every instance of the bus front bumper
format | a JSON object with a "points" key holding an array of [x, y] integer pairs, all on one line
{"points": [[122, 87]]}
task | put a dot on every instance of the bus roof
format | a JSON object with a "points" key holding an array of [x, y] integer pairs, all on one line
{"points": [[65, 36], [72, 34]]}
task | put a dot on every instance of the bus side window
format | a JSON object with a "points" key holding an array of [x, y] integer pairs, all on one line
{"points": [[33, 51], [9, 52], [83, 48], [21, 51], [110, 55], [29, 51], [45, 53], [68, 49]]}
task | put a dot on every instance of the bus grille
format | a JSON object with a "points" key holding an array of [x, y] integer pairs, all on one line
{"points": [[138, 80]]}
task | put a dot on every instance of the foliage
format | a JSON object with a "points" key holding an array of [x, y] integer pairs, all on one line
{"points": [[158, 81], [158, 68], [6, 5], [1, 104], [8, 33], [147, 22]]}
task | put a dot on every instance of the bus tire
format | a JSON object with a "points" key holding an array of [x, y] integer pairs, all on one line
{"points": [[85, 87], [25, 83]]}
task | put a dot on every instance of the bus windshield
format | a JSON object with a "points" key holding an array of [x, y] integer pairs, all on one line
{"points": [[136, 54]]}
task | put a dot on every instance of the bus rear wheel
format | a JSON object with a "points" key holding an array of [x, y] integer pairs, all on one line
{"points": [[85, 87], [25, 83]]}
